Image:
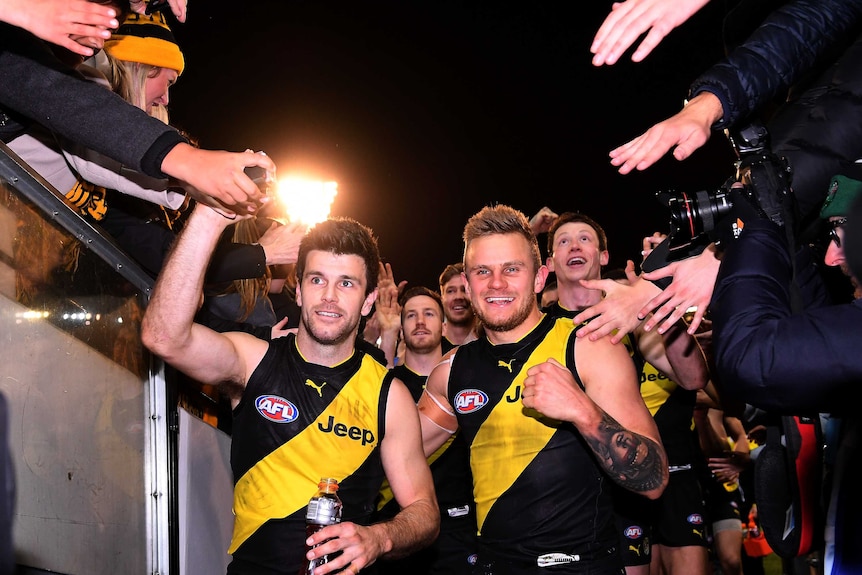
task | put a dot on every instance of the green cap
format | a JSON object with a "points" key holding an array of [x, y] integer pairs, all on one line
{"points": [[839, 198]]}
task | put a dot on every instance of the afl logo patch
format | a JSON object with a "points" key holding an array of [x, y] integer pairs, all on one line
{"points": [[470, 400], [695, 519], [276, 409], [633, 532]]}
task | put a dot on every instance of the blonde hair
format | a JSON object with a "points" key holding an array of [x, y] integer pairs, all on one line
{"points": [[129, 81], [253, 289], [502, 219]]}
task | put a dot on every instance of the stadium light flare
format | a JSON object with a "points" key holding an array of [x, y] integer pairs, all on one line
{"points": [[306, 201]]}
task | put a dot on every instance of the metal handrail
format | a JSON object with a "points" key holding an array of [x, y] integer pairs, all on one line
{"points": [[45, 197]]}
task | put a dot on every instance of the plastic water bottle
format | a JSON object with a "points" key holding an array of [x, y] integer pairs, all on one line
{"points": [[323, 509]]}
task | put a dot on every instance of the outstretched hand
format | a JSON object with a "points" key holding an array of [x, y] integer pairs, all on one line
{"points": [[77, 25], [616, 314], [387, 310], [219, 176], [685, 131], [692, 286], [543, 220], [280, 243], [631, 18]]}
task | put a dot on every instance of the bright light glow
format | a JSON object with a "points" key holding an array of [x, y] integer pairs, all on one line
{"points": [[32, 314], [306, 201]]}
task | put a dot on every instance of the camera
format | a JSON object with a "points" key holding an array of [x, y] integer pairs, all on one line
{"points": [[261, 179], [700, 218]]}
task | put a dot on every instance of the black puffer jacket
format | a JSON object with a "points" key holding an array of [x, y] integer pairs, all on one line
{"points": [[822, 128]]}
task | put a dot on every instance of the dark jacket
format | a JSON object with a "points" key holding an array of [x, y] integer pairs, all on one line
{"points": [[794, 39], [815, 48], [767, 355], [36, 87]]}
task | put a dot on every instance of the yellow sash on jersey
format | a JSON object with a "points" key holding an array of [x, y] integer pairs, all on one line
{"points": [[512, 436], [284, 481]]}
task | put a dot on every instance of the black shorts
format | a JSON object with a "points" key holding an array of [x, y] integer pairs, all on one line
{"points": [[634, 520], [723, 502], [680, 518], [676, 519], [454, 552]]}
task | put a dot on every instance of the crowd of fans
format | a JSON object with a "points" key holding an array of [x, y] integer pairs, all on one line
{"points": [[534, 408]]}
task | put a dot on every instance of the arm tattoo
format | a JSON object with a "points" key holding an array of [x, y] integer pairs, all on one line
{"points": [[630, 459]]}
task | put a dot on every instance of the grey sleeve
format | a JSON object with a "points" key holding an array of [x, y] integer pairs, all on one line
{"points": [[36, 86]]}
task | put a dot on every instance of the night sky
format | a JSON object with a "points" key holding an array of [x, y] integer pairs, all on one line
{"points": [[424, 112]]}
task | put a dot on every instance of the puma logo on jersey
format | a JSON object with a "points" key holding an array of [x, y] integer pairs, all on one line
{"points": [[318, 388], [635, 549], [507, 365]]}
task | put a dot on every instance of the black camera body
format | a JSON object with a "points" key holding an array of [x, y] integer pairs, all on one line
{"points": [[259, 176], [698, 219]]}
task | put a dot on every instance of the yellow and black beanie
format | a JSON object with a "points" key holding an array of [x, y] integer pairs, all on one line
{"points": [[146, 38]]}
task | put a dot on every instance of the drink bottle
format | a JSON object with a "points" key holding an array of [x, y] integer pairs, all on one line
{"points": [[323, 509]]}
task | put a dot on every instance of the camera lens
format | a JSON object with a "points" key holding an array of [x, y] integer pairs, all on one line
{"points": [[693, 215]]}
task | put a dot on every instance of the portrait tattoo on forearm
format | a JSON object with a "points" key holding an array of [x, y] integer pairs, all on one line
{"points": [[632, 460]]}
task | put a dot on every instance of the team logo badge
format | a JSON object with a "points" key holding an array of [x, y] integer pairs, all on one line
{"points": [[470, 400], [276, 409]]}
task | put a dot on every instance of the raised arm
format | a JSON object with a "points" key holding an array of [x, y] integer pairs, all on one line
{"points": [[57, 21], [675, 353], [168, 327], [684, 132], [388, 312], [628, 20]]}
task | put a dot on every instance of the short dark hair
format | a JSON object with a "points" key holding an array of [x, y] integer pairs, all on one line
{"points": [[575, 217], [342, 236], [417, 291], [451, 271], [502, 219]]}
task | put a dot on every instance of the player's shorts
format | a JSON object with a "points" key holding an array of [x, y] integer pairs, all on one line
{"points": [[723, 502], [680, 518], [634, 524]]}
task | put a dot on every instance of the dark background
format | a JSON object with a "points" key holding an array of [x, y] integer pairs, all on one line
{"points": [[424, 112]]}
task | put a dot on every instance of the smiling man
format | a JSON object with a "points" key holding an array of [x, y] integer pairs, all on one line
{"points": [[671, 366], [460, 321], [549, 420], [451, 553], [305, 406]]}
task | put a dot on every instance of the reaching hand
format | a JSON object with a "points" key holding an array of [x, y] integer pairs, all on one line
{"points": [[280, 329], [650, 242], [728, 467], [543, 220], [387, 310], [281, 243], [687, 130], [77, 25], [616, 314], [219, 176], [631, 18], [693, 282]]}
